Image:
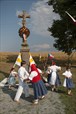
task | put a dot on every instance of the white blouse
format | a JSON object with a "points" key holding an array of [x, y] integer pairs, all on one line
{"points": [[22, 73], [54, 68], [67, 73]]}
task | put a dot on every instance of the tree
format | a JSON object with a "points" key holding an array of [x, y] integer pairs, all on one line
{"points": [[64, 30]]}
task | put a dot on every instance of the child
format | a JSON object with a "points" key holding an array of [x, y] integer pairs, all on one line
{"points": [[68, 80], [54, 79], [38, 85], [11, 79], [48, 72]]}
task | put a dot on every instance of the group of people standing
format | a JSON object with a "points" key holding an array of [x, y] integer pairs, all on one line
{"points": [[34, 76], [39, 87], [54, 79]]}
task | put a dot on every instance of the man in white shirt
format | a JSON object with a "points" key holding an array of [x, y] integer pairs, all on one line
{"points": [[22, 75]]}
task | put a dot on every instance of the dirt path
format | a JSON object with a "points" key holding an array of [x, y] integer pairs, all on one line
{"points": [[50, 105]]}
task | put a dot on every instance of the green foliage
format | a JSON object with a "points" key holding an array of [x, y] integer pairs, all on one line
{"points": [[64, 30]]}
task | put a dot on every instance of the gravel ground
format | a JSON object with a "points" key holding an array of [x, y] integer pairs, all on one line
{"points": [[50, 105]]}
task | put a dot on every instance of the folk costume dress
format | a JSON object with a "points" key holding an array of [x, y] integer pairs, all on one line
{"points": [[11, 79], [38, 85], [22, 75], [68, 79], [54, 78]]}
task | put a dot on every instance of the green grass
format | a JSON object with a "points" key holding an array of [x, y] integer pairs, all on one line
{"points": [[69, 101]]}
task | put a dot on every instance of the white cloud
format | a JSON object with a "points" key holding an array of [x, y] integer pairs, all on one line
{"points": [[41, 47], [42, 16], [20, 20], [18, 13]]}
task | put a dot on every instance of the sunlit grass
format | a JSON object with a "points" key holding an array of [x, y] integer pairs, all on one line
{"points": [[69, 101]]}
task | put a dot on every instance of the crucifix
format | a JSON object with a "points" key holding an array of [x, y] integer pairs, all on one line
{"points": [[24, 15], [24, 33]]}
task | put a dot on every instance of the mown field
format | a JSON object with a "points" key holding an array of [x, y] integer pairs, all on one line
{"points": [[7, 60], [11, 56]]}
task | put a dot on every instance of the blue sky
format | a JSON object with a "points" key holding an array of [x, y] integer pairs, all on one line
{"points": [[41, 18]]}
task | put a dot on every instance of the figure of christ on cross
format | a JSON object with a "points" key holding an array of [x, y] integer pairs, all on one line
{"points": [[23, 31], [24, 37]]}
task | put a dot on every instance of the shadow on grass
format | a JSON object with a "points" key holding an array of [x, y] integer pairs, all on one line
{"points": [[57, 91], [61, 91]]}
